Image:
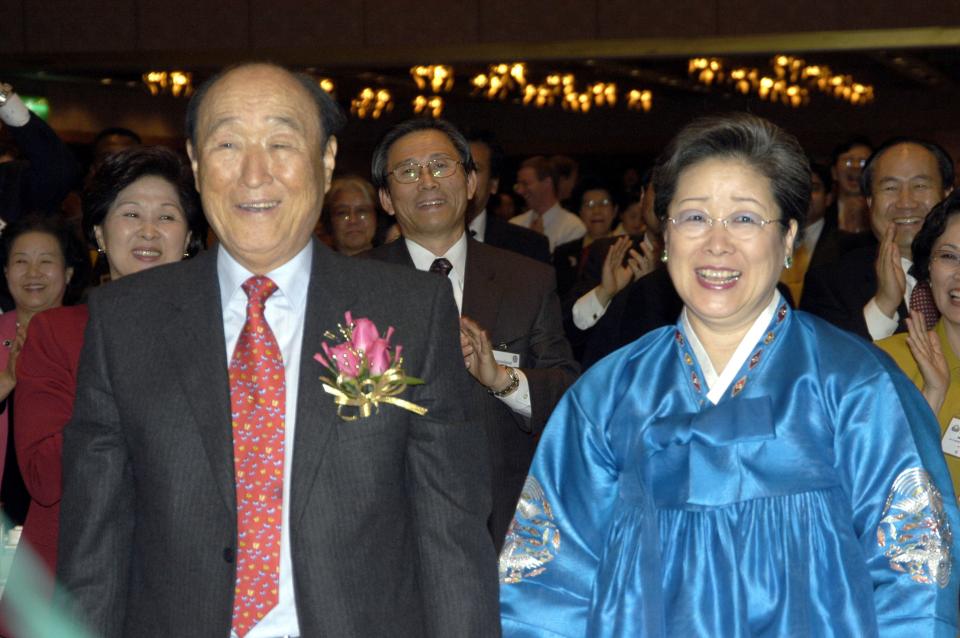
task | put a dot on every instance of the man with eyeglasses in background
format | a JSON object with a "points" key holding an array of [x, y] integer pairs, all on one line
{"points": [[510, 328], [870, 289]]}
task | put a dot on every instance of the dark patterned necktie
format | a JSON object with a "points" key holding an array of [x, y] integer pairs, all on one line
{"points": [[922, 299], [258, 410], [441, 266]]}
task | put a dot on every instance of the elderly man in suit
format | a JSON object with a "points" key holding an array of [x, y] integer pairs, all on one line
{"points": [[210, 486], [511, 328]]}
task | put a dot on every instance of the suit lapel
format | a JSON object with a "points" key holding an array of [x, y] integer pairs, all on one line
{"points": [[331, 293], [194, 336], [481, 294]]}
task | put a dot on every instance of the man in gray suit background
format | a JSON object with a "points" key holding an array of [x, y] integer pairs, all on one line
{"points": [[379, 523], [513, 339]]}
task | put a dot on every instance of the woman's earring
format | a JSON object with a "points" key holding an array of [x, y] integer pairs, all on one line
{"points": [[101, 250], [788, 261], [663, 256]]}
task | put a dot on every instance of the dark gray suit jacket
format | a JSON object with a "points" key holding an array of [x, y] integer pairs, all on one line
{"points": [[387, 514], [514, 299]]}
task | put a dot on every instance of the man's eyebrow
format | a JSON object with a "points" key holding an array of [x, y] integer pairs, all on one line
{"points": [[286, 121], [221, 122], [273, 119]]}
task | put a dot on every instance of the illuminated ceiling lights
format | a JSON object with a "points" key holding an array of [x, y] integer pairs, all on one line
{"points": [[176, 83], [789, 83], [432, 106], [438, 78], [500, 80], [327, 85], [638, 100], [371, 103]]}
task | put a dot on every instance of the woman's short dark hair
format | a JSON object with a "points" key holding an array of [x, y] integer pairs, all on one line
{"points": [[124, 168], [760, 144], [74, 253], [933, 226]]}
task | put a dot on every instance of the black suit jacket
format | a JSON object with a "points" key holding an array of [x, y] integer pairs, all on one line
{"points": [[43, 178], [839, 290], [514, 300], [387, 514], [517, 239], [645, 304], [568, 262]]}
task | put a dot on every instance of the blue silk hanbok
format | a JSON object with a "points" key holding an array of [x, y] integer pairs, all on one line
{"points": [[811, 500]]}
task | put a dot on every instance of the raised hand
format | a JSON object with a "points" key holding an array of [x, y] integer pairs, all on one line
{"points": [[891, 280], [616, 274], [926, 350], [478, 356]]}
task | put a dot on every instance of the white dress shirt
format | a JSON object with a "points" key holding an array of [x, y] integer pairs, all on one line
{"points": [[716, 383], [880, 325], [559, 225], [285, 311], [519, 399]]}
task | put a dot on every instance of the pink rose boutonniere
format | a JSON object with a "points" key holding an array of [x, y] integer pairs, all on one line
{"points": [[364, 370]]}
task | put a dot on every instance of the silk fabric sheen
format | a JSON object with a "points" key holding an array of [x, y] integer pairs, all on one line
{"points": [[754, 517]]}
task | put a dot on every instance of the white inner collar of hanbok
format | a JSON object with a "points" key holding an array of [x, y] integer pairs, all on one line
{"points": [[718, 383]]}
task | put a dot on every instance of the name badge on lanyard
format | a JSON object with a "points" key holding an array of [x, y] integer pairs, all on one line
{"points": [[950, 444]]}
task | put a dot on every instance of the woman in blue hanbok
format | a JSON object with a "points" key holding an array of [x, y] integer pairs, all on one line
{"points": [[751, 471]]}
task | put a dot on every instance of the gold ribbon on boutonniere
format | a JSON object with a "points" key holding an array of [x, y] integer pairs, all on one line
{"points": [[365, 370]]}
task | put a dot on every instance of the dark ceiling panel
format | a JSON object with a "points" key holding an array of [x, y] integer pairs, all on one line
{"points": [[61, 26], [189, 24], [309, 23]]}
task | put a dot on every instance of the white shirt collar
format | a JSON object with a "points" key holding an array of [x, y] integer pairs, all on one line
{"points": [[478, 227], [718, 383], [289, 277]]}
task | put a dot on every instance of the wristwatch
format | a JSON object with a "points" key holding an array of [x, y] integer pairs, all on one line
{"points": [[5, 92], [511, 387]]}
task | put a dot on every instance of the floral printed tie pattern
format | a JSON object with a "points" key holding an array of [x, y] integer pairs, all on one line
{"points": [[257, 406]]}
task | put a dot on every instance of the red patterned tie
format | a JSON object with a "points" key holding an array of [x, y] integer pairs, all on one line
{"points": [[922, 299], [258, 403]]}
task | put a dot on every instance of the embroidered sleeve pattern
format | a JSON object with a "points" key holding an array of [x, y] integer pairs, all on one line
{"points": [[533, 538], [914, 530]]}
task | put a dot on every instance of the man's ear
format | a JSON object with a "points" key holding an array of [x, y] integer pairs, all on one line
{"points": [[329, 162], [494, 185], [385, 202], [192, 154], [471, 184]]}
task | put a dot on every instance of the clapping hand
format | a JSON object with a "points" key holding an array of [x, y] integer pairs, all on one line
{"points": [[478, 356], [925, 348], [891, 280], [617, 274]]}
